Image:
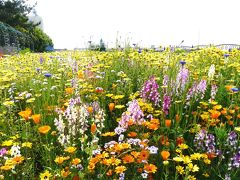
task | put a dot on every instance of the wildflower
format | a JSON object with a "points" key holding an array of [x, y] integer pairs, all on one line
{"points": [[110, 172], [76, 161], [182, 62], [183, 146], [178, 159], [150, 168], [166, 104], [6, 167], [196, 156], [182, 79], [215, 114], [44, 129], [26, 114], [47, 75], [3, 151], [61, 159], [164, 140], [144, 175], [128, 159], [120, 169], [168, 122], [36, 118], [165, 155], [15, 151], [179, 140], [211, 72], [7, 143], [190, 177], [193, 168], [150, 91], [93, 128], [132, 134], [46, 175], [144, 154], [91, 166], [153, 149], [237, 129], [111, 106], [119, 106], [18, 159], [69, 90], [180, 169], [90, 109], [205, 174], [70, 149], [65, 172], [135, 154], [108, 134]]}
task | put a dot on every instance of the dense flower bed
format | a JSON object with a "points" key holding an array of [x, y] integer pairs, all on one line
{"points": [[120, 115]]}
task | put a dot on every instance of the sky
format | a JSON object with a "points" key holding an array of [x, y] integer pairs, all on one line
{"points": [[72, 23]]}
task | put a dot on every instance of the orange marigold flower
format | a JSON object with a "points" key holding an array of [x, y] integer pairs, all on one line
{"points": [[132, 134], [150, 168], [140, 170], [224, 111], [36, 118], [135, 154], [65, 172], [130, 122], [168, 122], [120, 169], [93, 128], [164, 140], [111, 106], [152, 126], [165, 155], [230, 123], [18, 159], [177, 117], [211, 155], [44, 129], [215, 114], [26, 114], [144, 154], [236, 108], [70, 149], [229, 87], [110, 172], [91, 166], [69, 90], [180, 140], [76, 161], [127, 159], [90, 109], [232, 111]]}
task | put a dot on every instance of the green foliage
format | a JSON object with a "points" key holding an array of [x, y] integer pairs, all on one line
{"points": [[17, 30], [41, 40]]}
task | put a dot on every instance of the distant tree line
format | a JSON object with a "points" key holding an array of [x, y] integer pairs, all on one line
{"points": [[16, 29]]}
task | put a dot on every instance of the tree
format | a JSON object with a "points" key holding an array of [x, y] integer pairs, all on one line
{"points": [[41, 40], [15, 13]]}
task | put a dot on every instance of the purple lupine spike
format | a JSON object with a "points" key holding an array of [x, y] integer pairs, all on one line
{"points": [[150, 91], [133, 113], [182, 79], [166, 104]]}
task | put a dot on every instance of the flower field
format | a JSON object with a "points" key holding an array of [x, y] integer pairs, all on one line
{"points": [[120, 115]]}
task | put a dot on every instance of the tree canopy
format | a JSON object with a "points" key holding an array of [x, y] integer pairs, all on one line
{"points": [[15, 14]]}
